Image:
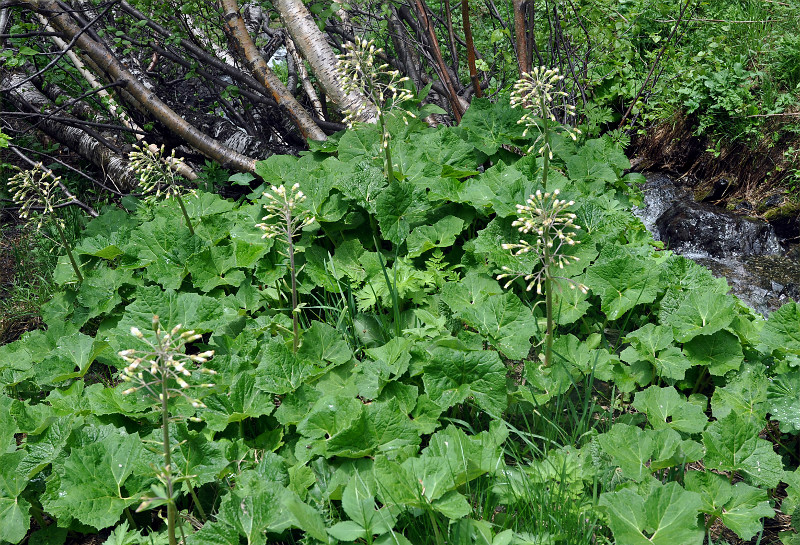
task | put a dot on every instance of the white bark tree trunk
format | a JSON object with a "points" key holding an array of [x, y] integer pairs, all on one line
{"points": [[315, 49]]}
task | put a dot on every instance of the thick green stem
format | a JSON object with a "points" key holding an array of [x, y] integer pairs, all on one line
{"points": [[196, 501], [129, 516], [385, 137], [293, 274], [548, 280], [548, 304], [167, 453], [185, 213], [68, 248]]}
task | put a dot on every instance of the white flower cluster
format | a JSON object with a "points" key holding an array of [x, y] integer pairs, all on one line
{"points": [[153, 169], [164, 366], [358, 72], [545, 216], [33, 189], [537, 92], [282, 205]]}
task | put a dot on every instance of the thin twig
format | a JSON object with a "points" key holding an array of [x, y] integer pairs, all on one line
{"points": [[61, 54]]}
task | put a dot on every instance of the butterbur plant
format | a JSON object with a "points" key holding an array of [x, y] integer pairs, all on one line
{"points": [[385, 88], [164, 372], [284, 220], [158, 174], [544, 215], [553, 227], [39, 192]]}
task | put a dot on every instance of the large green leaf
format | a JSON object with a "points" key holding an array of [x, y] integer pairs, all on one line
{"points": [[781, 333], [14, 511], [506, 322], [197, 458], [732, 444], [255, 510], [666, 516], [358, 502], [278, 169], [740, 506], [623, 283], [653, 343], [215, 266], [502, 317], [161, 247], [99, 293], [92, 481], [701, 313], [631, 448], [106, 234], [745, 394], [280, 371], [42, 449], [193, 311], [422, 482], [441, 234], [345, 427], [469, 456], [783, 401], [665, 407], [71, 359], [488, 125], [720, 352], [242, 401], [322, 343], [394, 209], [452, 376]]}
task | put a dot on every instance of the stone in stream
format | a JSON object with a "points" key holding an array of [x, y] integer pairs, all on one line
{"points": [[746, 251]]}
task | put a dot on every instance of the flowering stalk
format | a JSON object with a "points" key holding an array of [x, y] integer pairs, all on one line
{"points": [[546, 217], [37, 190], [544, 214], [284, 220], [161, 371], [358, 72], [158, 174]]}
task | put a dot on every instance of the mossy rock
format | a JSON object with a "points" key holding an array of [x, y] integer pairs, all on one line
{"points": [[785, 211]]}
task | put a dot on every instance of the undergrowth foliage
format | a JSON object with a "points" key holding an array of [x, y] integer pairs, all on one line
{"points": [[414, 407]]}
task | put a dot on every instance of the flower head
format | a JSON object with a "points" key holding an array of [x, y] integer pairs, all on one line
{"points": [[36, 190], [359, 72], [164, 362], [156, 170], [284, 215], [539, 93], [553, 227]]}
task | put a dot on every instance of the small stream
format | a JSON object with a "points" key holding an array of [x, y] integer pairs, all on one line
{"points": [[761, 270]]}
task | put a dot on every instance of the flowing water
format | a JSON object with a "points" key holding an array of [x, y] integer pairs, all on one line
{"points": [[746, 251]]}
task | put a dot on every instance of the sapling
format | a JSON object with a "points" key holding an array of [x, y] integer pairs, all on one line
{"points": [[158, 174], [284, 220], [544, 215], [164, 372], [40, 191]]}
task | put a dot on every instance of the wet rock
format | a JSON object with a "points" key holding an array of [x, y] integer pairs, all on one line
{"points": [[772, 201], [747, 252], [688, 226]]}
